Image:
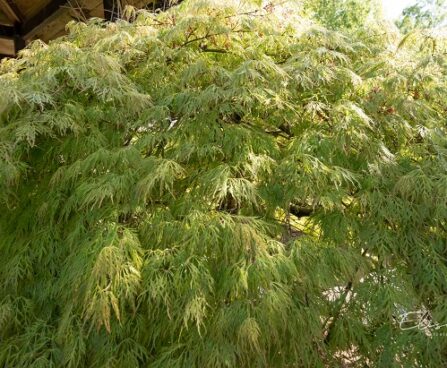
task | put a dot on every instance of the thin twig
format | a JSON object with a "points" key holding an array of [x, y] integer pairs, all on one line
{"points": [[212, 35]]}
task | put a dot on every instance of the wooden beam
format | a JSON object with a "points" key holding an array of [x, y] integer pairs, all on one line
{"points": [[7, 46], [10, 41], [82, 10], [51, 27], [7, 31], [12, 11], [95, 8], [4, 20], [54, 25], [52, 7]]}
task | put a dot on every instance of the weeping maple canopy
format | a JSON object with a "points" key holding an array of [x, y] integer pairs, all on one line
{"points": [[223, 186]]}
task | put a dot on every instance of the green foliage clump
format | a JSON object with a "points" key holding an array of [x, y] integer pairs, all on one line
{"points": [[424, 14], [343, 14], [223, 186]]}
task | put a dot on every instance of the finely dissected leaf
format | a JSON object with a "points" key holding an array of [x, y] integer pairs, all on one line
{"points": [[223, 185]]}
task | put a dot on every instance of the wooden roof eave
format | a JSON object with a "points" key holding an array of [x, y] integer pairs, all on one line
{"points": [[11, 11]]}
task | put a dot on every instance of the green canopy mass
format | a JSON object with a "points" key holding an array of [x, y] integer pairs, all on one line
{"points": [[224, 186]]}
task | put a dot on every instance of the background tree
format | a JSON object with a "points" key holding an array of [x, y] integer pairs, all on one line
{"points": [[343, 14], [223, 186], [424, 14]]}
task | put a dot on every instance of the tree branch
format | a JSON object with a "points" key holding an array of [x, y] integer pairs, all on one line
{"points": [[339, 309], [299, 211], [212, 35]]}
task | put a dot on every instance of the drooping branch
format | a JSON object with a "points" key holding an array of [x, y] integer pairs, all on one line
{"points": [[329, 324], [209, 35]]}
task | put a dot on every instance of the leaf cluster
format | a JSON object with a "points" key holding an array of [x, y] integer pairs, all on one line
{"points": [[223, 186]]}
